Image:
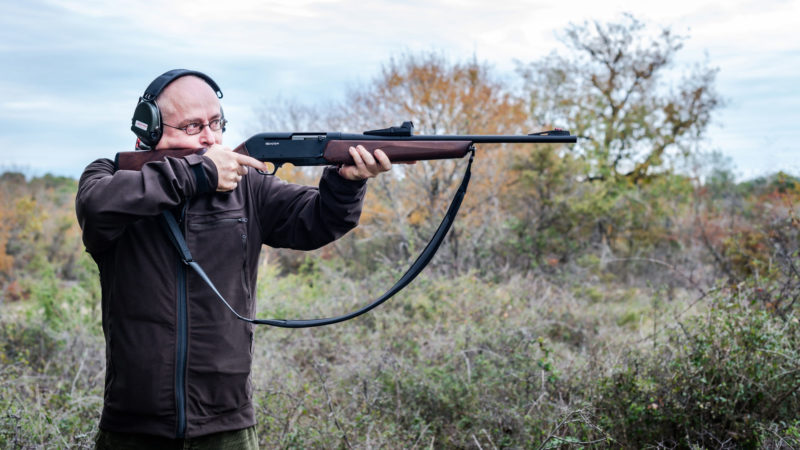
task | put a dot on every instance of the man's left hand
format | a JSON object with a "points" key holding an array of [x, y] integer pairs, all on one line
{"points": [[365, 165]]}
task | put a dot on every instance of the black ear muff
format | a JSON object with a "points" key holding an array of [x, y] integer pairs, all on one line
{"points": [[146, 120], [146, 123]]}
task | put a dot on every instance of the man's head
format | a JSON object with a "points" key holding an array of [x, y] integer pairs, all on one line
{"points": [[189, 105], [179, 109]]}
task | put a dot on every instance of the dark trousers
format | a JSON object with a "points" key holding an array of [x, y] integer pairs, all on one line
{"points": [[227, 440]]}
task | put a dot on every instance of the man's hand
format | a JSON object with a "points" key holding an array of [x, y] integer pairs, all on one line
{"points": [[365, 165], [231, 167]]}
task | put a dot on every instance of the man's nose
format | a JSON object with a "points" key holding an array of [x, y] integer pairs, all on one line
{"points": [[207, 136]]}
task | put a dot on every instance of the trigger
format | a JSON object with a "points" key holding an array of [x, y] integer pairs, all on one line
{"points": [[274, 171]]}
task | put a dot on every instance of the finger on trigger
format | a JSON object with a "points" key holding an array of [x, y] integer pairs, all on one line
{"points": [[245, 160]]}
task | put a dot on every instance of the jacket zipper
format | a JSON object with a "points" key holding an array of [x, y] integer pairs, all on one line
{"points": [[245, 285], [181, 345]]}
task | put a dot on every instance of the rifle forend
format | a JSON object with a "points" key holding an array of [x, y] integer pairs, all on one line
{"points": [[324, 148]]}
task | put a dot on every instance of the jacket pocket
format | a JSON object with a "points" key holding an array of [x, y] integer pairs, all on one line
{"points": [[219, 243], [210, 224]]}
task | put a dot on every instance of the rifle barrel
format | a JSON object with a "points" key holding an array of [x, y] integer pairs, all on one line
{"points": [[477, 139]]}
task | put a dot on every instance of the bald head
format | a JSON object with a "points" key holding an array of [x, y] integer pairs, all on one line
{"points": [[188, 99], [183, 94]]}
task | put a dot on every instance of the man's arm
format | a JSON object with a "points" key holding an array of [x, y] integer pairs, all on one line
{"points": [[109, 200], [305, 218]]}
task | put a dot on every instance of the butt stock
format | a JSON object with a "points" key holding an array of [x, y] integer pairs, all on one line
{"points": [[137, 159]]}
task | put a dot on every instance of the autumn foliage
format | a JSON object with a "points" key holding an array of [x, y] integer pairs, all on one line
{"points": [[615, 194], [38, 232]]}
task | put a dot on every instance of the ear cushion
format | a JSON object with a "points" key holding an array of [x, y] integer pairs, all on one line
{"points": [[146, 123]]}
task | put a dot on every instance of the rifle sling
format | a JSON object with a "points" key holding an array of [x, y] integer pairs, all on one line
{"points": [[176, 236]]}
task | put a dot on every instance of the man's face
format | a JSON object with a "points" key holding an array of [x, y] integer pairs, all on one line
{"points": [[188, 99]]}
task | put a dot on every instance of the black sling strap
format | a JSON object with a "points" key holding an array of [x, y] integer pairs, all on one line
{"points": [[176, 236]]}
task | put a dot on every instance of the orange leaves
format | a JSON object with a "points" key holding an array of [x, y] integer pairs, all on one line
{"points": [[441, 97], [37, 224]]}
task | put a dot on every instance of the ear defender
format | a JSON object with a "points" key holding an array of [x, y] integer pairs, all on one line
{"points": [[146, 120], [146, 124]]}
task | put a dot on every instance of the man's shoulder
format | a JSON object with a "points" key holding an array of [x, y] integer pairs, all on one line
{"points": [[100, 166]]}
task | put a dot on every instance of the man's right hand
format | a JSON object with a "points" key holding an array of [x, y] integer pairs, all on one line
{"points": [[231, 166]]}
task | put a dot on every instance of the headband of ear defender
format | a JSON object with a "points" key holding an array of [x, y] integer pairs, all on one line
{"points": [[146, 121]]}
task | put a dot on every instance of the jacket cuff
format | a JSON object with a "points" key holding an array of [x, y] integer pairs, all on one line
{"points": [[331, 174]]}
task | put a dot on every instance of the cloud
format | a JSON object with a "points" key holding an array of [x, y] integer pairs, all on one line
{"points": [[76, 68]]}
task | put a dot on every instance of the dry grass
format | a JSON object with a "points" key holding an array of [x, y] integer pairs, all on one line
{"points": [[460, 362]]}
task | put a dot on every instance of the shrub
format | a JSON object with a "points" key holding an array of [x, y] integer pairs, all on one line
{"points": [[50, 389], [729, 378]]}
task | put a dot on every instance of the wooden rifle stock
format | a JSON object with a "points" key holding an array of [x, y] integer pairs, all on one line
{"points": [[337, 152]]}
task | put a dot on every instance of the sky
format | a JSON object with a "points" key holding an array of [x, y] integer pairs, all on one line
{"points": [[71, 71]]}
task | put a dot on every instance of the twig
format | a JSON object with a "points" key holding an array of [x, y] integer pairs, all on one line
{"points": [[710, 247], [678, 315], [667, 265], [77, 374], [483, 430], [291, 417], [469, 369], [330, 406], [421, 433], [570, 419], [776, 403]]}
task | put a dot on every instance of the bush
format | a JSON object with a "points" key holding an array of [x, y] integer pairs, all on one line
{"points": [[498, 387], [51, 387], [729, 378]]}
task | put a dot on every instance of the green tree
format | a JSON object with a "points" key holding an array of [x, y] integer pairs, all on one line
{"points": [[617, 190], [615, 85]]}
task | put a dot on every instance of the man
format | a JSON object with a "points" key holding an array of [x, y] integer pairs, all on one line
{"points": [[177, 361]]}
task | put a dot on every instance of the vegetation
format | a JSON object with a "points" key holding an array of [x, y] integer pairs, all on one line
{"points": [[593, 296]]}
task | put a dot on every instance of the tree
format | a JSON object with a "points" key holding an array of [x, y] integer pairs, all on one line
{"points": [[614, 85], [403, 206]]}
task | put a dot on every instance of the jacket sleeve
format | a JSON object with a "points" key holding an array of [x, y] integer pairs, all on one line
{"points": [[305, 217], [109, 200]]}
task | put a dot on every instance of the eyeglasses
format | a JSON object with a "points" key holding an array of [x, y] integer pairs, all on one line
{"points": [[196, 128]]}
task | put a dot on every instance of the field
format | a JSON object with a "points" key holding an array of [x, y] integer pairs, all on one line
{"points": [[631, 353]]}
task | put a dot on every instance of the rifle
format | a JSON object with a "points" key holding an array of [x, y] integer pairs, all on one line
{"points": [[313, 149], [320, 149]]}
